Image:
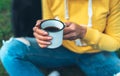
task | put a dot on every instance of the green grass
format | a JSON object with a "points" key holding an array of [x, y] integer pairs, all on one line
{"points": [[5, 23], [5, 26]]}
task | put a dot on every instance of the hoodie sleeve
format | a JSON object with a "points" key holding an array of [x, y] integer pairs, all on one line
{"points": [[47, 13], [110, 39]]}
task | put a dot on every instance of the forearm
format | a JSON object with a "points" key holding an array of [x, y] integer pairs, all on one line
{"points": [[101, 41]]}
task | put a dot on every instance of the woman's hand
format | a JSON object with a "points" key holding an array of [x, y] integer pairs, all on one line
{"points": [[41, 36], [74, 31]]}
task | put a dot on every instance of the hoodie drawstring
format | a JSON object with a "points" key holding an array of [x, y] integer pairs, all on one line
{"points": [[66, 9], [79, 42], [90, 13]]}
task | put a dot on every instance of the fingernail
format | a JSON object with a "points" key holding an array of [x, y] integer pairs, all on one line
{"points": [[49, 37], [48, 43], [45, 33]]}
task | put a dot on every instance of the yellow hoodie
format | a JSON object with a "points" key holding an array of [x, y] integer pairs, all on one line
{"points": [[102, 18]]}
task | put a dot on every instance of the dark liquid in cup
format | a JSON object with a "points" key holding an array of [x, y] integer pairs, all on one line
{"points": [[51, 29]]}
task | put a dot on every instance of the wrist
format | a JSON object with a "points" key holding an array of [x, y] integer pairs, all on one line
{"points": [[83, 31]]}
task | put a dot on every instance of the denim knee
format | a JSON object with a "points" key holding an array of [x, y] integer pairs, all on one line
{"points": [[12, 49]]}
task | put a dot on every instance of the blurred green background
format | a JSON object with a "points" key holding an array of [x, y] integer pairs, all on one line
{"points": [[5, 23], [5, 26]]}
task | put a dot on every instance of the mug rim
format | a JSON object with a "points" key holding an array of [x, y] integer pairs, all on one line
{"points": [[55, 20]]}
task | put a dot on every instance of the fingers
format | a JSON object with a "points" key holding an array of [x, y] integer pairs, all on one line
{"points": [[73, 31], [43, 41], [43, 44], [38, 23], [70, 28], [70, 36], [66, 31], [39, 31], [41, 36]]}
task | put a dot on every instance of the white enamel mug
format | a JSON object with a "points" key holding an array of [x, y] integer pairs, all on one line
{"points": [[55, 30]]}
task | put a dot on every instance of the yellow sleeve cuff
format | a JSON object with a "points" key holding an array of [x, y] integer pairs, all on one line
{"points": [[92, 36]]}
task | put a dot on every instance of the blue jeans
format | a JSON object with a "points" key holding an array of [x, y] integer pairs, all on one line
{"points": [[20, 59]]}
